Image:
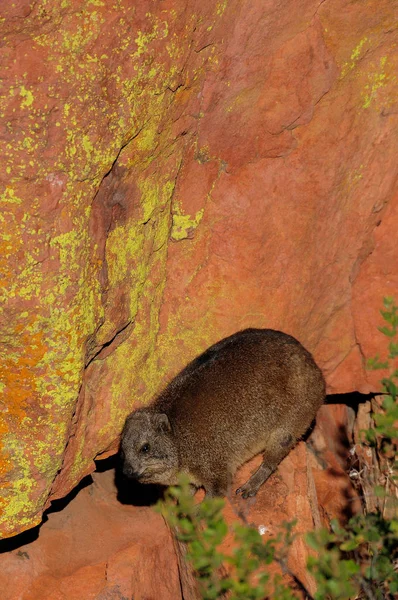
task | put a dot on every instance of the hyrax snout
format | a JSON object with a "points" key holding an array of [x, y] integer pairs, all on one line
{"points": [[255, 391]]}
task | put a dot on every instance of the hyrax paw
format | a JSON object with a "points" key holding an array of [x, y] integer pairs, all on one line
{"points": [[247, 491]]}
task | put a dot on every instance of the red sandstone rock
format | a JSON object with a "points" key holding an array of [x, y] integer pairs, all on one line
{"points": [[94, 549], [99, 549], [172, 173]]}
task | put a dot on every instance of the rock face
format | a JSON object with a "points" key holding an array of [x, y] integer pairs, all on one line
{"points": [[173, 172], [95, 548], [99, 548]]}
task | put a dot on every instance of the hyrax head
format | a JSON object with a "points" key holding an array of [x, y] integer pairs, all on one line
{"points": [[147, 448]]}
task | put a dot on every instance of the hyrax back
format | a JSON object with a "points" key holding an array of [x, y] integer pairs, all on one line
{"points": [[255, 391]]}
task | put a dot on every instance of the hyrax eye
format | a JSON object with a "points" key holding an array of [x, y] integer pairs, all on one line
{"points": [[145, 448]]}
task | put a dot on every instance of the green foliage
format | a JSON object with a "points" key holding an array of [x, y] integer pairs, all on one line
{"points": [[357, 561], [386, 421], [203, 529], [361, 559]]}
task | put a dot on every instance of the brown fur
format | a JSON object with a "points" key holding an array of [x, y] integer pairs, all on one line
{"points": [[255, 391]]}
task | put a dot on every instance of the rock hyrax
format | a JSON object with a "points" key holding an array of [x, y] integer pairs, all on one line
{"points": [[255, 391]]}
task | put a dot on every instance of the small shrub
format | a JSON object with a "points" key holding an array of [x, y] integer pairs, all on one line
{"points": [[360, 560], [357, 561], [203, 528]]}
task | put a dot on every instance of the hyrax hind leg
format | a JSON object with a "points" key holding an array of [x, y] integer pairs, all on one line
{"points": [[278, 446]]}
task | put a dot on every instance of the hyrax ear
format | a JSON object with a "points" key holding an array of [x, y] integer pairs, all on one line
{"points": [[162, 422]]}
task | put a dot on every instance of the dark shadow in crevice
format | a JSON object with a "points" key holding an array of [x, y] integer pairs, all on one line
{"points": [[310, 429], [61, 503], [351, 399], [15, 542], [341, 444], [29, 536], [130, 491], [344, 438]]}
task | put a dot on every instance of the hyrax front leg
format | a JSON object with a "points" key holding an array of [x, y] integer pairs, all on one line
{"points": [[278, 446]]}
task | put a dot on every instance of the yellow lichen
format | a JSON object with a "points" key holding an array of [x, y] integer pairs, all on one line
{"points": [[356, 55], [184, 225], [10, 197], [376, 81], [27, 96], [220, 8], [114, 99]]}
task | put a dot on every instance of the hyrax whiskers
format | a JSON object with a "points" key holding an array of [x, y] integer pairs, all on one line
{"points": [[255, 391]]}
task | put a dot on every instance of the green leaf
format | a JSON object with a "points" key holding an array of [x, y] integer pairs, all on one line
{"points": [[379, 491], [394, 525], [349, 545], [388, 301], [394, 587], [393, 348], [390, 387], [375, 364]]}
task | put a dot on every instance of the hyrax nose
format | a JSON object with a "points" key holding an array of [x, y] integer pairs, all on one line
{"points": [[128, 471]]}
